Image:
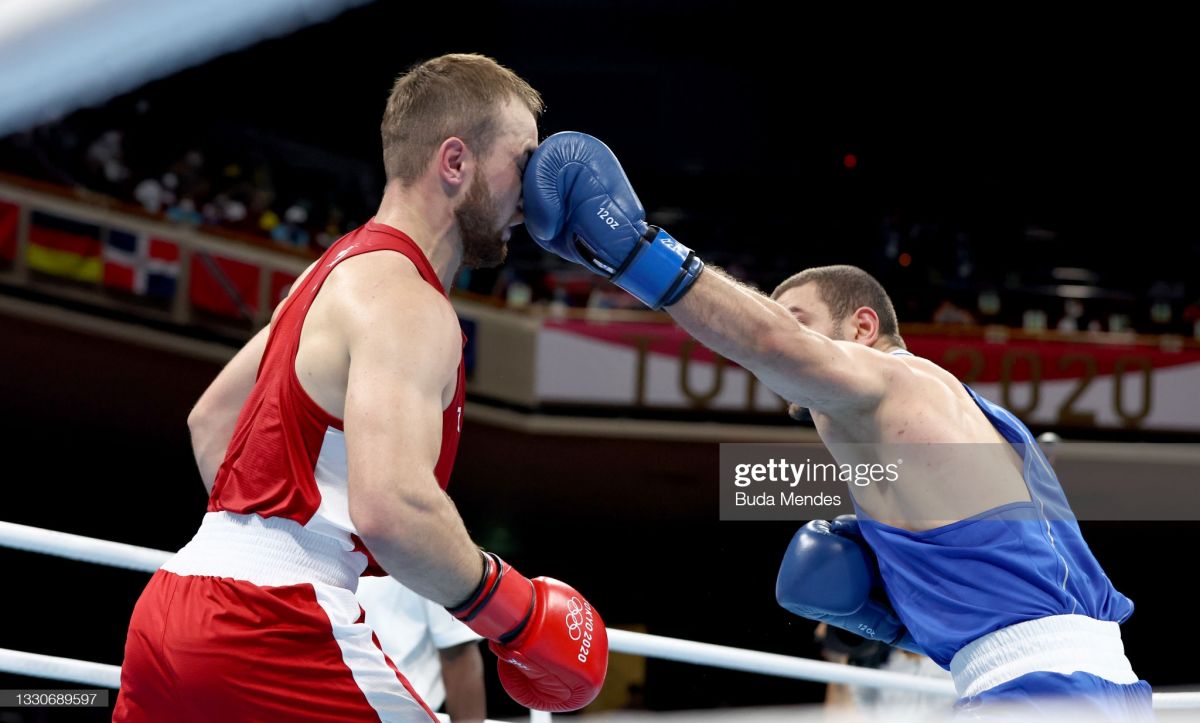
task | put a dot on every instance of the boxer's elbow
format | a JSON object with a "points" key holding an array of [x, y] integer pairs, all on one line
{"points": [[370, 519], [205, 419], [208, 447], [203, 431], [384, 513], [196, 420]]}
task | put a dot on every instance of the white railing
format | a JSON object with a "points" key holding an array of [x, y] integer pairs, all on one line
{"points": [[130, 557]]}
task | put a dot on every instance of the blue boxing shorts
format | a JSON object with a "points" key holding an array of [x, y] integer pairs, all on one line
{"points": [[1031, 671]]}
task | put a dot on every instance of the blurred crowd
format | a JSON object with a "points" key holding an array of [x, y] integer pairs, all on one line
{"points": [[251, 182], [297, 197]]}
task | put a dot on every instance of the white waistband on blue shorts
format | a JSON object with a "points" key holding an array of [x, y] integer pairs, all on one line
{"points": [[1056, 644], [271, 551]]}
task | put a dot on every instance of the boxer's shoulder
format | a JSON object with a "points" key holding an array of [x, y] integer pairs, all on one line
{"points": [[370, 285], [380, 300], [377, 268], [907, 374], [892, 375]]}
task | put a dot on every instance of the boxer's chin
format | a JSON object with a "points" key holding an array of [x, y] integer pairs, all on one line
{"points": [[795, 411]]}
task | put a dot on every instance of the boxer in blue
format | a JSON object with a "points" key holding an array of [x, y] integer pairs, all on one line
{"points": [[977, 561]]}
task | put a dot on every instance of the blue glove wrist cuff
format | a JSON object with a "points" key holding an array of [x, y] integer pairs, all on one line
{"points": [[660, 271]]}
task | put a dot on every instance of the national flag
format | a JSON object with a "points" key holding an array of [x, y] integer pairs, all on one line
{"points": [[10, 216], [224, 286], [140, 265], [64, 247], [281, 284]]}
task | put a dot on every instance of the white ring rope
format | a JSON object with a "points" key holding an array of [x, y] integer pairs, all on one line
{"points": [[783, 666], [78, 547], [1177, 701], [65, 669], [116, 554]]}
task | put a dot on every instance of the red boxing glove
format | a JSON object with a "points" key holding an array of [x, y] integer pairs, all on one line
{"points": [[552, 645]]}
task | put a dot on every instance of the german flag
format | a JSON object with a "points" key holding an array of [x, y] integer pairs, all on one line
{"points": [[9, 215], [64, 247]]}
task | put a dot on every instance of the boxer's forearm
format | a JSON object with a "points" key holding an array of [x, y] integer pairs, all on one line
{"points": [[752, 330], [416, 534], [462, 674]]}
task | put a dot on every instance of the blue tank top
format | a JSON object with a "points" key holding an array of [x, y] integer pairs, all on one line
{"points": [[1021, 561]]}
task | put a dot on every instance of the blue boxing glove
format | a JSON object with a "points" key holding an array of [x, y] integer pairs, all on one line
{"points": [[829, 574], [579, 205]]}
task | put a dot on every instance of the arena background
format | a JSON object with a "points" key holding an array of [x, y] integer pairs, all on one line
{"points": [[766, 140]]}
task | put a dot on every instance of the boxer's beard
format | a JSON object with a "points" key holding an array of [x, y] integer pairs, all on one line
{"points": [[483, 246]]}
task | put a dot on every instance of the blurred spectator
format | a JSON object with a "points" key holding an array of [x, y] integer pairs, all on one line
{"points": [[989, 303], [223, 210], [1033, 320], [518, 295], [334, 225], [170, 187], [185, 212], [268, 220], [1049, 442], [106, 158], [1072, 316], [1191, 315], [151, 195], [290, 231], [951, 314]]}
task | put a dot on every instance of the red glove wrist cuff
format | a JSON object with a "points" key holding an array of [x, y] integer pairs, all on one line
{"points": [[502, 603]]}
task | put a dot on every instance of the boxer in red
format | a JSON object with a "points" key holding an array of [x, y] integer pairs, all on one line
{"points": [[327, 443]]}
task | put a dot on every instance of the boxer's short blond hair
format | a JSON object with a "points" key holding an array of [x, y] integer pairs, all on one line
{"points": [[455, 95]]}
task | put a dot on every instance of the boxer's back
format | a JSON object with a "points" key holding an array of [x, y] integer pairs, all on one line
{"points": [[956, 463], [287, 458], [983, 536]]}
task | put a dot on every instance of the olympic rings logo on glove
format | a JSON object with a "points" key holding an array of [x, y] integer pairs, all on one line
{"points": [[574, 618]]}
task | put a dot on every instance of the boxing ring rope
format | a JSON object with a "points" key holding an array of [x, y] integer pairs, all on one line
{"points": [[131, 557], [781, 666], [78, 547], [64, 669]]}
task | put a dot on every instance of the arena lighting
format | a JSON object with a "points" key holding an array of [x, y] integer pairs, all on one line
{"points": [[1073, 275], [60, 55], [1074, 291]]}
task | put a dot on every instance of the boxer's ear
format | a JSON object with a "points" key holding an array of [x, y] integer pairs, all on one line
{"points": [[865, 323]]}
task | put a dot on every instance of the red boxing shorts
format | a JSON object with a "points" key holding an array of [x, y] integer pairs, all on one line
{"points": [[254, 642]]}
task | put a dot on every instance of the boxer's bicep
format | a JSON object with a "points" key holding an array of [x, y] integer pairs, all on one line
{"points": [[814, 371], [403, 355]]}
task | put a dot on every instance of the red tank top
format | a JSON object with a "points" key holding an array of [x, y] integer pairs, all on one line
{"points": [[287, 457]]}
